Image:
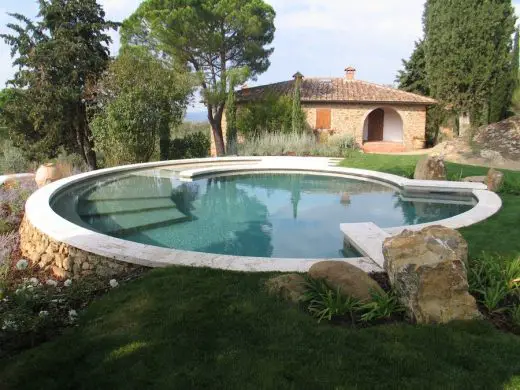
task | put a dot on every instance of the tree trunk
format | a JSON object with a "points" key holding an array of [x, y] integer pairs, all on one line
{"points": [[84, 139], [164, 142], [216, 129]]}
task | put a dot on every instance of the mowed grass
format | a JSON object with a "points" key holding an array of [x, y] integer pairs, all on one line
{"points": [[190, 328], [183, 328]]}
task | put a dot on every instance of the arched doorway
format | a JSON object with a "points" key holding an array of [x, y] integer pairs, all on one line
{"points": [[383, 124]]}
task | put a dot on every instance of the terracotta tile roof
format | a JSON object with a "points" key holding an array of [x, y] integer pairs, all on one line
{"points": [[337, 90]]}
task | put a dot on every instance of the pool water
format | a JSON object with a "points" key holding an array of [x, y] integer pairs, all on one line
{"points": [[254, 214]]}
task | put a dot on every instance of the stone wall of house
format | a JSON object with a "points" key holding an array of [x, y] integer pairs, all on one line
{"points": [[350, 119], [64, 260]]}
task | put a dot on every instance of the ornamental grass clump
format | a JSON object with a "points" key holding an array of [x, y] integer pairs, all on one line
{"points": [[325, 303], [495, 282]]}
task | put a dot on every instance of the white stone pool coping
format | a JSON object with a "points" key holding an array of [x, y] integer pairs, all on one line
{"points": [[40, 214]]}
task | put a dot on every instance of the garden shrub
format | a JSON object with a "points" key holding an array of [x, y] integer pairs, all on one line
{"points": [[35, 308], [495, 282], [325, 303], [193, 145], [279, 144], [12, 159], [13, 196], [126, 132]]}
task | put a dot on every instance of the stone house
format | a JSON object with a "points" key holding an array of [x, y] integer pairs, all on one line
{"points": [[380, 118]]}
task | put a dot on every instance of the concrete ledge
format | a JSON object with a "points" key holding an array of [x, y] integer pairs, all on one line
{"points": [[367, 238]]}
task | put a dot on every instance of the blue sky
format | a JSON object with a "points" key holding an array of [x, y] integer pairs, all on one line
{"points": [[315, 37]]}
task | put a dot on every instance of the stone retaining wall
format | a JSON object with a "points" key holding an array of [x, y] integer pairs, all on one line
{"points": [[64, 260]]}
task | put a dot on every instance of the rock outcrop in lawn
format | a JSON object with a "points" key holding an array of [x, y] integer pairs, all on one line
{"points": [[430, 168], [428, 271], [494, 180], [349, 279]]}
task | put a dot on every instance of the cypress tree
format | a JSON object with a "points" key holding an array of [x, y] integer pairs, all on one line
{"points": [[297, 118], [412, 78], [231, 118], [467, 49]]}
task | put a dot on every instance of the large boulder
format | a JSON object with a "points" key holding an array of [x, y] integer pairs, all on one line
{"points": [[494, 180], [428, 271], [349, 279], [290, 287], [430, 168]]}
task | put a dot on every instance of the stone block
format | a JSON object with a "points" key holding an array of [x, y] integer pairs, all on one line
{"points": [[428, 271]]}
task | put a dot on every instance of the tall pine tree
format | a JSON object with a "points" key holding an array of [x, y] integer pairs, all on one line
{"points": [[467, 51]]}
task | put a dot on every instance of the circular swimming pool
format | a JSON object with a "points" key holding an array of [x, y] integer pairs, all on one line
{"points": [[254, 214]]}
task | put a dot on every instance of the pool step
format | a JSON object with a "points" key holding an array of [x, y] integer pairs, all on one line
{"points": [[92, 208], [131, 187], [128, 223], [367, 238]]}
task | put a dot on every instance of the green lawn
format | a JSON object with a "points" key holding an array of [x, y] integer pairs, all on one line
{"points": [[187, 328]]}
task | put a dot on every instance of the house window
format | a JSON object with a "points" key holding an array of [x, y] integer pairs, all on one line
{"points": [[323, 118]]}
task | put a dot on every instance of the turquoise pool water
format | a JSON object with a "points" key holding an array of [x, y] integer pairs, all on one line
{"points": [[255, 214]]}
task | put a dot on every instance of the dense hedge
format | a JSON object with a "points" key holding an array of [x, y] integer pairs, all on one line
{"points": [[190, 146]]}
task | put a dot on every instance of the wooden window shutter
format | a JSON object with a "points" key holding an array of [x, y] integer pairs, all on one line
{"points": [[323, 118]]}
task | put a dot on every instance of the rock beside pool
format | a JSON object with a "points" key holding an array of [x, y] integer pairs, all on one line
{"points": [[290, 287], [430, 168], [349, 279], [427, 269], [494, 180]]}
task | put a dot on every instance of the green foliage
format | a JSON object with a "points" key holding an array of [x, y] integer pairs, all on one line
{"points": [[325, 303], [212, 37], [12, 159], [191, 146], [59, 59], [298, 118], [515, 315], [382, 306], [141, 97], [412, 78], [493, 279], [125, 131], [500, 100], [274, 114], [33, 310], [186, 128], [467, 53]]}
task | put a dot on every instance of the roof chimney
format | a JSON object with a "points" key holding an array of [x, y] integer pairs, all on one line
{"points": [[350, 73], [297, 75]]}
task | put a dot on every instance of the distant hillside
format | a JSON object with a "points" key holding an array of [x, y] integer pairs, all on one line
{"points": [[196, 116]]}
